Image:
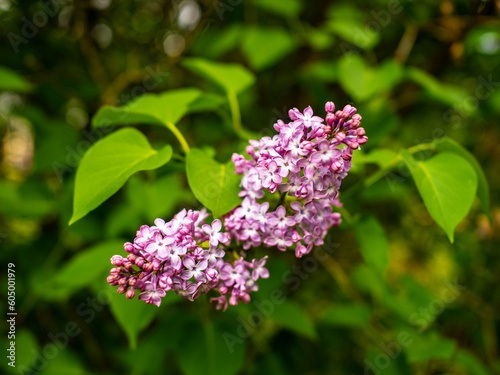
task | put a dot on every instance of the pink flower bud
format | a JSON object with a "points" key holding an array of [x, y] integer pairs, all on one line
{"points": [[329, 107], [116, 260], [110, 279], [128, 247], [139, 262], [362, 140], [330, 118], [360, 131], [121, 289], [131, 258], [130, 294], [340, 136]]}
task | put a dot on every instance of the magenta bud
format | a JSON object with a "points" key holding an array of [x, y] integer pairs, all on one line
{"points": [[121, 289], [223, 290], [139, 284], [127, 264], [330, 118], [329, 107], [116, 260], [131, 257], [360, 131], [340, 136], [350, 110], [123, 281], [110, 279], [156, 264], [132, 281], [139, 262], [128, 247], [328, 129], [148, 267], [346, 157], [291, 114], [354, 145], [357, 117], [250, 150], [362, 140], [130, 294]]}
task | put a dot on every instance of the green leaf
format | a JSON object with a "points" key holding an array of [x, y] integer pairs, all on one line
{"points": [[483, 192], [264, 47], [347, 315], [231, 77], [10, 80], [218, 347], [447, 94], [132, 315], [156, 109], [156, 198], [373, 243], [215, 185], [470, 363], [206, 102], [383, 157], [288, 9], [109, 163], [447, 184], [292, 317], [349, 23], [363, 82], [86, 267], [429, 346], [26, 349]]}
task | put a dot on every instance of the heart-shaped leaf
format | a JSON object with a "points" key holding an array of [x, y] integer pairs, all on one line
{"points": [[483, 192], [231, 77], [447, 184], [109, 163], [213, 184], [264, 47], [156, 109]]}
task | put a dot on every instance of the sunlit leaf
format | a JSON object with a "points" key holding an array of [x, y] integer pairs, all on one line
{"points": [[109, 163], [156, 109], [483, 192], [447, 184]]}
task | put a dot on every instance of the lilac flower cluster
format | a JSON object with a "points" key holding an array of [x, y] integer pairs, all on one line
{"points": [[307, 161], [184, 255]]}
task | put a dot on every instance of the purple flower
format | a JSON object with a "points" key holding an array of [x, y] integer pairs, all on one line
{"points": [[233, 275], [194, 269], [258, 269], [279, 240], [159, 245], [280, 220], [152, 294], [213, 233]]}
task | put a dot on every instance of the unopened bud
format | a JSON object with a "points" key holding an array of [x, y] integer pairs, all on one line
{"points": [[130, 294], [329, 107]]}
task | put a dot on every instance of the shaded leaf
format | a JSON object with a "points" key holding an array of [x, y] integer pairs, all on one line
{"points": [[373, 243], [132, 315], [292, 317], [429, 346], [289, 8], [231, 77], [264, 47], [347, 315], [11, 80], [215, 185]]}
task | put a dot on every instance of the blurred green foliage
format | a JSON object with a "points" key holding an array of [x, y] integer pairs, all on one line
{"points": [[387, 294]]}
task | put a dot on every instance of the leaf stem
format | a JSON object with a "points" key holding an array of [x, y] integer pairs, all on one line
{"points": [[179, 136], [235, 112]]}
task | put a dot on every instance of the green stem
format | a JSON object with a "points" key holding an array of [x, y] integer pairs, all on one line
{"points": [[179, 136], [370, 180], [235, 111]]}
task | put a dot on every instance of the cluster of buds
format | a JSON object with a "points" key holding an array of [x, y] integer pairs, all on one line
{"points": [[184, 255], [307, 161], [304, 164]]}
